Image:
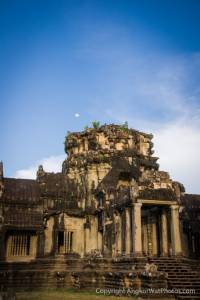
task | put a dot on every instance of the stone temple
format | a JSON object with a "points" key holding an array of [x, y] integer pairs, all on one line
{"points": [[111, 218]]}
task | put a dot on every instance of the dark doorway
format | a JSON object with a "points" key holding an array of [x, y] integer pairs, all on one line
{"points": [[60, 242]]}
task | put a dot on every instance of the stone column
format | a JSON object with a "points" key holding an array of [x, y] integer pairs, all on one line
{"points": [[128, 231], [114, 242], [164, 233], [99, 241], [119, 234], [136, 229], [144, 237], [87, 238], [175, 231], [154, 237]]}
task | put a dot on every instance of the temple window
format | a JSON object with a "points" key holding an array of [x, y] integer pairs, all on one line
{"points": [[19, 244], [65, 241]]}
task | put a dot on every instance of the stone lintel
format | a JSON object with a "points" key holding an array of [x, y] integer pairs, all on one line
{"points": [[156, 202]]}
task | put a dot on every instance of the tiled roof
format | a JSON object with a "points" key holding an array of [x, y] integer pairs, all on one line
{"points": [[21, 190]]}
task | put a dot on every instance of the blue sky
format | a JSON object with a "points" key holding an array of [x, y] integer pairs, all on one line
{"points": [[110, 61]]}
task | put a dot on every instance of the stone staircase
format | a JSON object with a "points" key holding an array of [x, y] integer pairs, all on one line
{"points": [[108, 273], [182, 274]]}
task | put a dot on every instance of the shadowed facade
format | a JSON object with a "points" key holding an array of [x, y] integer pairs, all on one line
{"points": [[111, 197], [110, 200]]}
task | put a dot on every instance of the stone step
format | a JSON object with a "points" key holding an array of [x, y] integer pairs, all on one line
{"points": [[180, 274], [188, 296]]}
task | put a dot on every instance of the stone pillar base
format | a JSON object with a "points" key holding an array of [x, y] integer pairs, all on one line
{"points": [[179, 254], [164, 254], [136, 254]]}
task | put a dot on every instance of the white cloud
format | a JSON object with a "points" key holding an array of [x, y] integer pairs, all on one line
{"points": [[77, 115], [177, 145], [177, 138], [50, 164]]}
